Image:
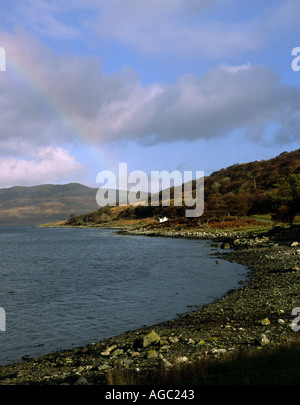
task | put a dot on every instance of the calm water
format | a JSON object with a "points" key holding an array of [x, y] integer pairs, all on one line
{"points": [[63, 288]]}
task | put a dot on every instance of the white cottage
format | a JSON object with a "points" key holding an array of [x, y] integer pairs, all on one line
{"points": [[164, 219]]}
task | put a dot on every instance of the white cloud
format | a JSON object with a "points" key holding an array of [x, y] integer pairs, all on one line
{"points": [[185, 27], [58, 97], [45, 18], [235, 69], [49, 165], [181, 27], [210, 28], [225, 99]]}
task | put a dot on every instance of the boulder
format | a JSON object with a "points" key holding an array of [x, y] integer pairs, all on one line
{"points": [[146, 340]]}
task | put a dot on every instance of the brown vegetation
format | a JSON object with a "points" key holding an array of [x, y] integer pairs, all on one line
{"points": [[268, 187]]}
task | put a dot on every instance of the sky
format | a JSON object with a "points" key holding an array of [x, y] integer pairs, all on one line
{"points": [[188, 85]]}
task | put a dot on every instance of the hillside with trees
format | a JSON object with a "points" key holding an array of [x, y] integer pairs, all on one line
{"points": [[260, 187], [267, 187]]}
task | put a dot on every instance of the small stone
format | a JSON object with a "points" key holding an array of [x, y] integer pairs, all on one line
{"points": [[263, 340], [104, 367], [201, 342], [173, 339], [127, 362], [117, 352], [218, 352], [166, 364], [265, 322], [81, 381], [78, 370], [294, 244], [281, 321], [108, 350], [181, 359], [151, 354]]}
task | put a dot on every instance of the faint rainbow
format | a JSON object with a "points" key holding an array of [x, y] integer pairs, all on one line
{"points": [[24, 74]]}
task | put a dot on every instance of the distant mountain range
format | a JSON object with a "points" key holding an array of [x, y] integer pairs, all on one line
{"points": [[45, 203]]}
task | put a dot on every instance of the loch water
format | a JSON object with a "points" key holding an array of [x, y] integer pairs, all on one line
{"points": [[62, 288]]}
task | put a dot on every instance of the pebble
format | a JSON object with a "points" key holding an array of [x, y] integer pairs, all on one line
{"points": [[218, 352], [263, 339], [108, 350], [265, 322], [151, 354], [181, 359], [81, 381]]}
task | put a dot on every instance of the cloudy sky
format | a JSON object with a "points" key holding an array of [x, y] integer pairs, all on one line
{"points": [[158, 84]]}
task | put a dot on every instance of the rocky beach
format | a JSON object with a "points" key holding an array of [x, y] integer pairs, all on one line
{"points": [[256, 319]]}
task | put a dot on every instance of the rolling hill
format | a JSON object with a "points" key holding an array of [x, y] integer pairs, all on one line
{"points": [[45, 203]]}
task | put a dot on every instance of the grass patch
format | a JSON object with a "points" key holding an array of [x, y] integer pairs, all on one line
{"points": [[281, 367]]}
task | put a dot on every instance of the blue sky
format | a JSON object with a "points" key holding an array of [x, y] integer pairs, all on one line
{"points": [[158, 84]]}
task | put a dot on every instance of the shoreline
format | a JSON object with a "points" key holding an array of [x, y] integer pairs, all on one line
{"points": [[256, 318]]}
